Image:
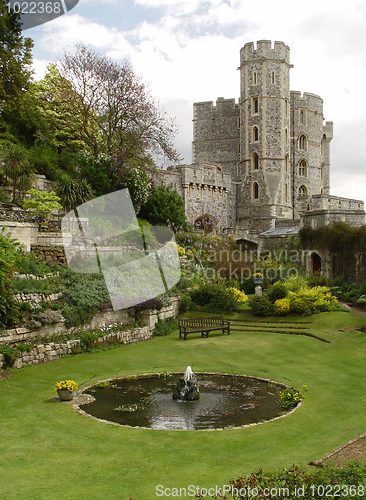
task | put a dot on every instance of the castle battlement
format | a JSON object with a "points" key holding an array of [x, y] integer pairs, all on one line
{"points": [[264, 50], [311, 102], [224, 107]]}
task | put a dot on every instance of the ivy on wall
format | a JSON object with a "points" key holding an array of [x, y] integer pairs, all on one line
{"points": [[345, 244]]}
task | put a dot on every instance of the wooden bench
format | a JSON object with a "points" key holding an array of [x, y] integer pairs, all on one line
{"points": [[203, 325]]}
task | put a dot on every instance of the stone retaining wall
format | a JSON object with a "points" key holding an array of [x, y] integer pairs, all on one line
{"points": [[49, 254], [44, 353], [36, 298]]}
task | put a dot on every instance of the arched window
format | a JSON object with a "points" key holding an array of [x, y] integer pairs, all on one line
{"points": [[303, 191], [255, 161], [256, 191], [301, 117], [302, 168], [255, 134], [255, 105], [302, 142]]}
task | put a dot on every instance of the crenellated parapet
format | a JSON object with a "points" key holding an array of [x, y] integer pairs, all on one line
{"points": [[264, 51]]}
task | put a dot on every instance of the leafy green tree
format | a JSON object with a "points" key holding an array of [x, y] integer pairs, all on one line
{"points": [[60, 108], [15, 74], [164, 205], [43, 202], [18, 168], [15, 55]]}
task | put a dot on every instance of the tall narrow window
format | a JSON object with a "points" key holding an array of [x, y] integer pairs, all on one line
{"points": [[302, 168], [273, 77], [286, 136], [301, 117], [255, 134], [302, 142], [256, 191], [286, 163], [255, 78], [303, 191], [286, 193], [255, 105], [255, 161]]}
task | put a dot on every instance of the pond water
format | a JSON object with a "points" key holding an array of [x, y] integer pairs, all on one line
{"points": [[225, 401]]}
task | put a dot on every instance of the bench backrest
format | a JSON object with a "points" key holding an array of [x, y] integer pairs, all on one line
{"points": [[202, 322]]}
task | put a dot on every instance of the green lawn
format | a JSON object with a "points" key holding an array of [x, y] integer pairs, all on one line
{"points": [[49, 451]]}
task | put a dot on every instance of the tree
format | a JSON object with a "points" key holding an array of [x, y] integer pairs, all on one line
{"points": [[18, 168], [15, 55], [114, 102], [61, 109], [8, 257], [73, 192], [43, 202], [164, 205]]}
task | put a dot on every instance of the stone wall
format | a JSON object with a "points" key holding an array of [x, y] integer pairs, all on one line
{"points": [[25, 232], [49, 254], [323, 210], [205, 188], [102, 320], [216, 134], [44, 353]]}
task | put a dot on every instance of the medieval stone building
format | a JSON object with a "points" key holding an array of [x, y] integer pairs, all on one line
{"points": [[262, 163]]}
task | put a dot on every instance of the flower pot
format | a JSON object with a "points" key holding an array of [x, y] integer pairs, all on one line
{"points": [[66, 395], [258, 280]]}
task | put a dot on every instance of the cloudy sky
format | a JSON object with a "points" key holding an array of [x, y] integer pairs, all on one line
{"points": [[188, 51]]}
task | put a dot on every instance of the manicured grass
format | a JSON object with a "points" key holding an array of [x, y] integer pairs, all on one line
{"points": [[49, 451]]}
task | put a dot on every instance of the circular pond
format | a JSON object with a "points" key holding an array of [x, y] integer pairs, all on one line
{"points": [[146, 401]]}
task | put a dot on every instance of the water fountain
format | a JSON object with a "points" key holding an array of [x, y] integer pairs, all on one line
{"points": [[221, 401], [187, 388]]}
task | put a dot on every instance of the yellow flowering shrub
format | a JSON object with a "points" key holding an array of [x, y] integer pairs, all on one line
{"points": [[238, 295], [281, 307], [181, 250], [69, 385]]}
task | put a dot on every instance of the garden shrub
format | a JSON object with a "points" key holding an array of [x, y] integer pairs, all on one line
{"points": [[9, 354], [296, 283], [248, 285], [185, 303], [298, 484], [298, 305], [239, 296], [9, 309], [214, 297], [277, 291], [165, 327], [318, 279], [281, 307], [261, 306], [320, 298]]}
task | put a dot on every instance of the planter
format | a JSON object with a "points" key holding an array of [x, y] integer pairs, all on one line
{"points": [[258, 281], [66, 395]]}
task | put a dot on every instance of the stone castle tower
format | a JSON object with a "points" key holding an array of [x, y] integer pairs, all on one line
{"points": [[273, 143]]}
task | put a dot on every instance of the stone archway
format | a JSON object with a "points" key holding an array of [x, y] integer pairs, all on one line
{"points": [[316, 263]]}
